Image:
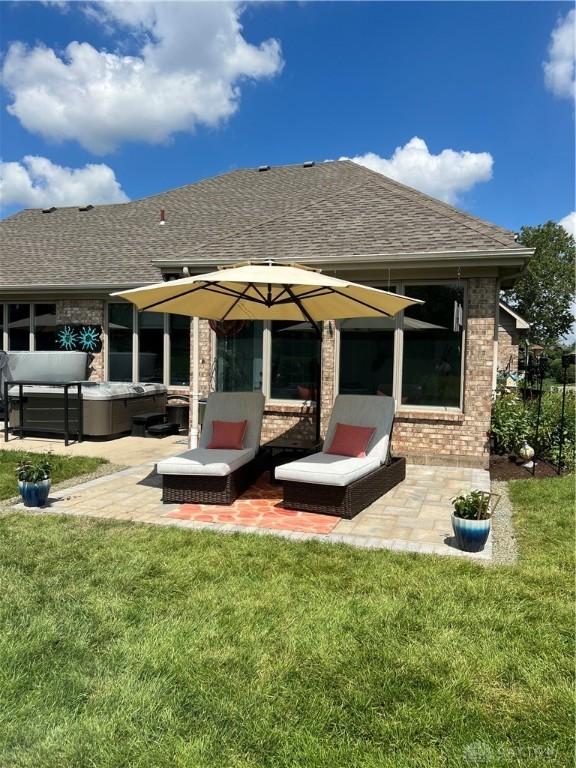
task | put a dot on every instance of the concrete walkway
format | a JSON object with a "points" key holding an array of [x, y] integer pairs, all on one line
{"points": [[413, 517], [128, 451]]}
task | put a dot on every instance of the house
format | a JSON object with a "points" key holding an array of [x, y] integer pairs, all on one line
{"points": [[59, 266], [512, 331]]}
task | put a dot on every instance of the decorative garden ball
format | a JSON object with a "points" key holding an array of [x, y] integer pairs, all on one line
{"points": [[526, 452]]}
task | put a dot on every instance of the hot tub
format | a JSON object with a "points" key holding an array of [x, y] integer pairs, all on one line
{"points": [[108, 406]]}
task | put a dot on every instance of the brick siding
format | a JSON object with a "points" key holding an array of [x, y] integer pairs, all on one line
{"points": [[89, 312], [508, 348]]}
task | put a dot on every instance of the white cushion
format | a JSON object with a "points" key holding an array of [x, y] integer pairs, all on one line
{"points": [[365, 411], [327, 469], [217, 462], [234, 406]]}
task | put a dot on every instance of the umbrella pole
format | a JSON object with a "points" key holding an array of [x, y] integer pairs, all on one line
{"points": [[193, 441]]}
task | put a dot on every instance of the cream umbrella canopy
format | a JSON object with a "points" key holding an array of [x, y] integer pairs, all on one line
{"points": [[267, 292]]}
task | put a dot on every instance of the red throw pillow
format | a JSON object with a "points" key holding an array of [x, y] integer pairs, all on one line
{"points": [[350, 440], [228, 434]]}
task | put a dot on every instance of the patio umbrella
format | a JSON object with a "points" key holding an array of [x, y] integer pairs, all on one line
{"points": [[267, 292]]}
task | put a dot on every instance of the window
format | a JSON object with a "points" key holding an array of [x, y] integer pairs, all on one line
{"points": [[19, 327], [150, 347], [367, 355], [239, 358], [294, 361], [120, 326], [45, 327], [432, 358], [179, 350]]}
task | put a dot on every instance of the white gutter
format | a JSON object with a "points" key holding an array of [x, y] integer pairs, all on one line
{"points": [[353, 260]]}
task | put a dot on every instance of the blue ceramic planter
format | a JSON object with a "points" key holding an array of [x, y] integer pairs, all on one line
{"points": [[471, 535], [34, 494]]}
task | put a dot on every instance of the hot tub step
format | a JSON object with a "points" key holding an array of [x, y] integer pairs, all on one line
{"points": [[161, 430], [143, 421]]}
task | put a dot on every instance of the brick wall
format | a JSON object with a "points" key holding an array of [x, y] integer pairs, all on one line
{"points": [[508, 348], [89, 312]]}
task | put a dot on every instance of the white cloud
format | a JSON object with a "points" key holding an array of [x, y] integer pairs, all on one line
{"points": [[569, 223], [191, 60], [561, 64], [445, 175], [36, 182]]}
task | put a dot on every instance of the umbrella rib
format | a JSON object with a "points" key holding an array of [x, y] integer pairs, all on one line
{"points": [[284, 301], [302, 308], [231, 307], [230, 292], [178, 296], [309, 295], [206, 286], [363, 303], [253, 285]]}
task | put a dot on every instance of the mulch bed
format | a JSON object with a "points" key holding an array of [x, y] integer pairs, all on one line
{"points": [[510, 468]]}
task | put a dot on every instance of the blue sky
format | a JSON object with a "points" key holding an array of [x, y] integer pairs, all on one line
{"points": [[295, 81]]}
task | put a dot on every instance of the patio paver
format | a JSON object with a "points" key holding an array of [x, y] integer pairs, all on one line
{"points": [[413, 517]]}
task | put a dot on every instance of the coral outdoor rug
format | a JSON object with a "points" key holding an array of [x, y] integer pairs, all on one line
{"points": [[259, 507]]}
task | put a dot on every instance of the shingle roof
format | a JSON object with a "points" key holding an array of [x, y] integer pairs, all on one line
{"points": [[332, 209]]}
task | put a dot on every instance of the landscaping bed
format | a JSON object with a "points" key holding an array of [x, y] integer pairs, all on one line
{"points": [[512, 468], [133, 645]]}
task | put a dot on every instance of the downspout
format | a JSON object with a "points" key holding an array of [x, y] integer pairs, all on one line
{"points": [[193, 441], [496, 334]]}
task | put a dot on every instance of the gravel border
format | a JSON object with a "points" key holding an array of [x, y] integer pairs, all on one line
{"points": [[101, 471], [504, 546]]}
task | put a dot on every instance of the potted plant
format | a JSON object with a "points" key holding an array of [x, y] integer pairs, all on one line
{"points": [[34, 481], [471, 519]]}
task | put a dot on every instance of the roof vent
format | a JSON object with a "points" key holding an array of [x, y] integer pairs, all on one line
{"points": [[308, 164], [86, 208], [49, 210], [162, 217], [263, 168]]}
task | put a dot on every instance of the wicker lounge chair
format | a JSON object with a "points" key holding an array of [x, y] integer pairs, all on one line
{"points": [[342, 485], [215, 475]]}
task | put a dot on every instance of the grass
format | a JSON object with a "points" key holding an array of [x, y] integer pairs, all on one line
{"points": [[63, 468], [127, 645]]}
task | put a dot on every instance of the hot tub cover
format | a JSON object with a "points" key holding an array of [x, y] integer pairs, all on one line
{"points": [[97, 390]]}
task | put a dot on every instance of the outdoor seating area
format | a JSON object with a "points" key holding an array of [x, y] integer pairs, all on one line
{"points": [[412, 517], [349, 473]]}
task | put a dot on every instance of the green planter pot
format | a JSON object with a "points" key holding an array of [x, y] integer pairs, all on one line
{"points": [[470, 535]]}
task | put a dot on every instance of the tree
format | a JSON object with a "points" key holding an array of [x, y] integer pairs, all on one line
{"points": [[544, 293]]}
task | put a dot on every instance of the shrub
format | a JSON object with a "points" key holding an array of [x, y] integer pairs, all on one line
{"points": [[33, 470], [548, 444], [472, 506], [514, 423], [510, 425]]}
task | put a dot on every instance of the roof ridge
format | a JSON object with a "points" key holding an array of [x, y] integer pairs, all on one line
{"points": [[221, 175], [444, 209]]}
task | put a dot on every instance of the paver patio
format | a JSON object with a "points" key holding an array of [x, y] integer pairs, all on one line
{"points": [[413, 517]]}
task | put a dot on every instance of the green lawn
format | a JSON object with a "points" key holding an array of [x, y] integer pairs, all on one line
{"points": [[63, 468], [134, 646]]}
